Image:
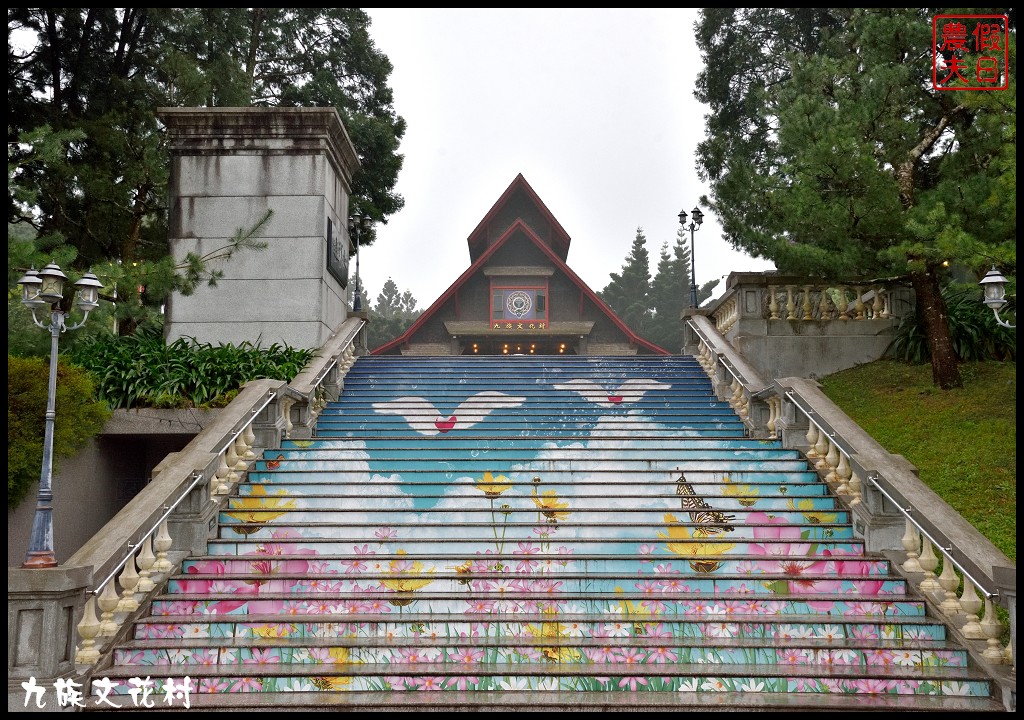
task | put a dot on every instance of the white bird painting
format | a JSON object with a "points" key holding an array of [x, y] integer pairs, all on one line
{"points": [[427, 420], [628, 392]]}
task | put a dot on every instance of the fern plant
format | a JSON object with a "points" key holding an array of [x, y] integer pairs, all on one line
{"points": [[144, 371], [976, 335]]}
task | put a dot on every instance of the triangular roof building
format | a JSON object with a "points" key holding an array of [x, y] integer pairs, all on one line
{"points": [[519, 297]]}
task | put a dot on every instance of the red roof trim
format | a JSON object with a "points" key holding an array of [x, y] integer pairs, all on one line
{"points": [[560, 234], [559, 264]]}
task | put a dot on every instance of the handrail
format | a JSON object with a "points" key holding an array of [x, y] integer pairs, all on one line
{"points": [[168, 509], [737, 374], [197, 477], [270, 398], [328, 354], [947, 549], [892, 492]]}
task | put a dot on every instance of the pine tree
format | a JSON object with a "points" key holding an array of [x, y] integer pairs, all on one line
{"points": [[670, 294], [628, 293]]}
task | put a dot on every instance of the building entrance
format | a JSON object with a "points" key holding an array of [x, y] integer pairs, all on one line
{"points": [[519, 346]]}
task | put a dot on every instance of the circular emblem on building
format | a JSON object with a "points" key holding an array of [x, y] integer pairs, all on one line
{"points": [[518, 303]]}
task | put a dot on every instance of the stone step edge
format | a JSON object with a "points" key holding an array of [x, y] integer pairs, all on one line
{"points": [[562, 701], [838, 672], [560, 640], [537, 618]]}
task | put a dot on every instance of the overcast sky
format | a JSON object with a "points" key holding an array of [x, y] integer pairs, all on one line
{"points": [[594, 107]]}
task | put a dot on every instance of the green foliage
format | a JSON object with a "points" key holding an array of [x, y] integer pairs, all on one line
{"points": [[975, 333], [963, 442], [88, 163], [393, 314], [143, 371], [652, 308], [628, 293], [79, 417], [829, 152]]}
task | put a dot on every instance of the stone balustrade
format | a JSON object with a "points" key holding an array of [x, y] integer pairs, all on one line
{"points": [[61, 620], [795, 326], [959, 572]]}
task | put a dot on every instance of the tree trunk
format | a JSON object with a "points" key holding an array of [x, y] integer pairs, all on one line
{"points": [[931, 309]]}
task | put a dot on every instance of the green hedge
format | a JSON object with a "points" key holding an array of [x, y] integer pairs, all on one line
{"points": [[79, 417], [143, 371]]}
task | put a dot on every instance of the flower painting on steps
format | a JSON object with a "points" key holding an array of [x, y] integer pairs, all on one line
{"points": [[576, 524]]}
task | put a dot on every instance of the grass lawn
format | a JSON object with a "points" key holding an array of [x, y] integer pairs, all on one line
{"points": [[962, 441]]}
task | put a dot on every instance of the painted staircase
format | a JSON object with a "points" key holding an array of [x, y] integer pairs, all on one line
{"points": [[480, 532]]}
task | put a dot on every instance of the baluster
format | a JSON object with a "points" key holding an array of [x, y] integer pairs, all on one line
{"points": [[744, 409], [886, 303], [812, 440], [231, 458], [286, 409], [163, 545], [88, 629], [128, 578], [790, 306], [928, 563], [832, 462], [822, 450], [912, 545], [108, 602], [807, 303], [858, 304], [949, 581], [971, 604], [250, 442], [146, 562], [773, 416], [824, 313], [239, 447], [737, 393], [220, 484], [773, 304], [843, 474], [856, 485], [843, 305], [876, 305], [991, 627]]}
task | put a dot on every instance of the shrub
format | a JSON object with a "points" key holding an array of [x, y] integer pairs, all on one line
{"points": [[143, 371], [79, 417], [976, 335]]}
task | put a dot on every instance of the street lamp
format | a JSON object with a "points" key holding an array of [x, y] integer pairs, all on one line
{"points": [[698, 218], [994, 286], [358, 227], [38, 290]]}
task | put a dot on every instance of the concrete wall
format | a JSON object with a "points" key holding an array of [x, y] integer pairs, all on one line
{"points": [[91, 487], [229, 166]]}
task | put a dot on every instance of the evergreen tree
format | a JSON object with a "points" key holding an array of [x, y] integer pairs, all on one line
{"points": [[628, 293], [830, 152], [89, 81], [392, 315], [670, 294]]}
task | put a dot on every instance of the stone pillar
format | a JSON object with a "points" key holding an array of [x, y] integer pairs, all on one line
{"points": [[229, 166]]}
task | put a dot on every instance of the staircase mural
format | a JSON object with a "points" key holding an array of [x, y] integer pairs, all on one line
{"points": [[474, 531]]}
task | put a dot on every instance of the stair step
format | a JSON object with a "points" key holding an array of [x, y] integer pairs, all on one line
{"points": [[216, 699]]}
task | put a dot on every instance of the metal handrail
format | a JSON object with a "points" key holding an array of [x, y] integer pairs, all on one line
{"points": [[168, 509], [735, 372], [946, 549]]}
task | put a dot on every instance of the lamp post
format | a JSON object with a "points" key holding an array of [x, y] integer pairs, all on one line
{"points": [[994, 286], [357, 227], [698, 218], [38, 290]]}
